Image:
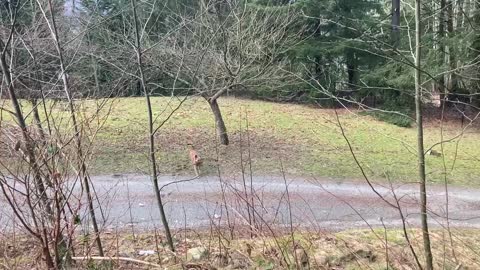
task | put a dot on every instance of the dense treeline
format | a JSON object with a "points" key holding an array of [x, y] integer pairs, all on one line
{"points": [[302, 51], [365, 48]]}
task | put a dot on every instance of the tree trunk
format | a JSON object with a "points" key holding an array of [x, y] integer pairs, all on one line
{"points": [[41, 132], [460, 12], [451, 77], [441, 47], [395, 23], [97, 81], [221, 129], [318, 68], [77, 135], [476, 47], [420, 149], [153, 161], [351, 69], [474, 9], [38, 121]]}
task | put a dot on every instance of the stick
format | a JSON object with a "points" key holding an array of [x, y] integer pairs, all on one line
{"points": [[99, 258]]}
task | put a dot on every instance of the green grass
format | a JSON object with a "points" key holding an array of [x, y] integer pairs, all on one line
{"points": [[307, 140], [391, 118]]}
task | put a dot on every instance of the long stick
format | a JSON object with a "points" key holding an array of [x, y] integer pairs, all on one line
{"points": [[126, 259]]}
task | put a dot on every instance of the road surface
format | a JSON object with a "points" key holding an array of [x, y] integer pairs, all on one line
{"points": [[126, 201]]}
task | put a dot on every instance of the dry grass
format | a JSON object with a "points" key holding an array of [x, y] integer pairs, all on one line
{"points": [[358, 249]]}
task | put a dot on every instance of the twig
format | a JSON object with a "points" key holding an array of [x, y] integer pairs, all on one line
{"points": [[177, 182], [126, 259]]}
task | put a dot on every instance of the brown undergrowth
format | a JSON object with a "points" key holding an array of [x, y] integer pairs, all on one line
{"points": [[352, 249]]}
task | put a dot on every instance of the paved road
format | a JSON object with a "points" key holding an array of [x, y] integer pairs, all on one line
{"points": [[128, 200]]}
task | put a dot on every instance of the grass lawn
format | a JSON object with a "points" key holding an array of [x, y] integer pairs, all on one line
{"points": [[306, 140]]}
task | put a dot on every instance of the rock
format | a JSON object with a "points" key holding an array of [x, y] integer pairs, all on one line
{"points": [[354, 256], [146, 252], [196, 254], [321, 260], [301, 258], [166, 260], [239, 260], [434, 153], [219, 260]]}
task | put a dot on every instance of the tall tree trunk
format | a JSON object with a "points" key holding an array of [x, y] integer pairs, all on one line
{"points": [[395, 23], [476, 47], [221, 129], [460, 12], [441, 48], [474, 52], [351, 69], [318, 68], [138, 51], [95, 71], [451, 78], [95, 75], [420, 149], [467, 11], [38, 121]]}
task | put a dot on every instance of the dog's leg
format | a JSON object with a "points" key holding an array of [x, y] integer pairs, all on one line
{"points": [[195, 168]]}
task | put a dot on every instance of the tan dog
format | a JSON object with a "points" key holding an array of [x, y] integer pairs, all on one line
{"points": [[195, 159]]}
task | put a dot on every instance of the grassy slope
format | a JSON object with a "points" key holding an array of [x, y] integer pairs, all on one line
{"points": [[307, 140]]}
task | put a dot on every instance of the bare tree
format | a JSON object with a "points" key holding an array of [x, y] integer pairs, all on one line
{"points": [[29, 155], [151, 134], [48, 208], [420, 143], [229, 47], [66, 87]]}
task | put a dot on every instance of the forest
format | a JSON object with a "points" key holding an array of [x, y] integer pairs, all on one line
{"points": [[323, 134], [355, 52]]}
